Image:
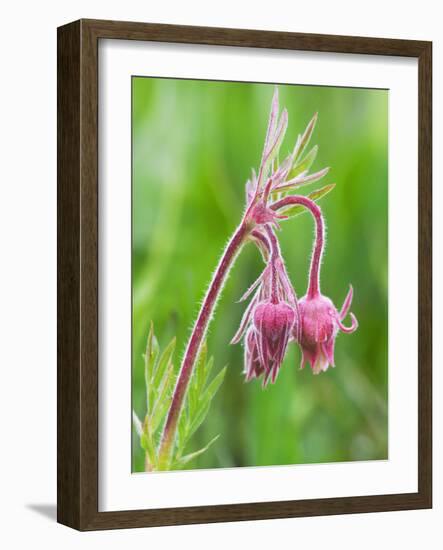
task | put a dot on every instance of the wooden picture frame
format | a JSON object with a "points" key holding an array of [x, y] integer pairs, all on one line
{"points": [[78, 274]]}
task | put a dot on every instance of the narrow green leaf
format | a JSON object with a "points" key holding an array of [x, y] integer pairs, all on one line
{"points": [[159, 414], [201, 364], [192, 397], [272, 121], [182, 430], [150, 357], [162, 364], [137, 423], [185, 459], [213, 387], [163, 400], [147, 443], [196, 421], [205, 402], [305, 164], [300, 181], [303, 142], [296, 209], [278, 138], [208, 367], [274, 147], [197, 382], [151, 353]]}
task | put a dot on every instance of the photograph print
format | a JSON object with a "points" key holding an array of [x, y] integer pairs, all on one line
{"points": [[259, 274]]}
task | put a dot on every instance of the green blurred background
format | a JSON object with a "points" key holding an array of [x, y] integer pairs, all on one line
{"points": [[194, 143]]}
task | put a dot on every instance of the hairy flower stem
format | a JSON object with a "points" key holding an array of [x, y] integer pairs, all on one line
{"points": [[314, 272], [195, 341], [275, 256]]}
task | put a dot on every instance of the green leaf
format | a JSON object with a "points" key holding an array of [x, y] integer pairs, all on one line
{"points": [[296, 209], [305, 164], [159, 414], [185, 459], [192, 397], [303, 142], [182, 430], [208, 367], [205, 402], [152, 350], [278, 136], [163, 362], [197, 381], [213, 387], [272, 121], [137, 424], [198, 419], [200, 372], [147, 443], [275, 145], [164, 396], [160, 379], [151, 353], [302, 179]]}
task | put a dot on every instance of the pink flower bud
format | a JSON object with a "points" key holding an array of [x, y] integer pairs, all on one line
{"points": [[272, 325], [320, 324]]}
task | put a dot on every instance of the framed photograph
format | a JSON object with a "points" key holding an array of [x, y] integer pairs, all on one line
{"points": [[244, 275]]}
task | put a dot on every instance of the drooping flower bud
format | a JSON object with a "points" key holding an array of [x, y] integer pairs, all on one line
{"points": [[320, 324], [273, 323], [272, 315]]}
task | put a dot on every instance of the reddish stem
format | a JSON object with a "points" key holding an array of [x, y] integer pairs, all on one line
{"points": [[195, 341], [314, 272], [275, 256], [260, 237]]}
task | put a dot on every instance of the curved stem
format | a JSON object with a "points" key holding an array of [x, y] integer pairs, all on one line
{"points": [[275, 248], [275, 255], [195, 341], [262, 244], [260, 237], [314, 272]]}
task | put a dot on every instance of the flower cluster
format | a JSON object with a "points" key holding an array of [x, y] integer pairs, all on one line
{"points": [[275, 316], [272, 316]]}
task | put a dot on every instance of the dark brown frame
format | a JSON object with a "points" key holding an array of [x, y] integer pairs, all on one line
{"points": [[77, 456]]}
